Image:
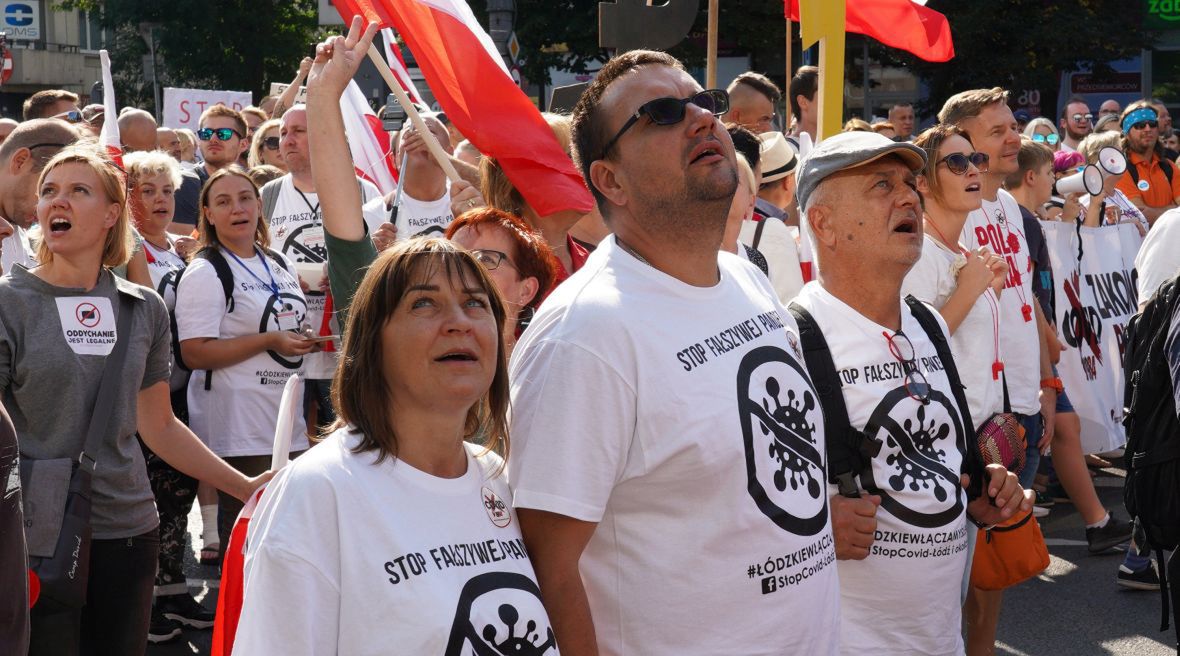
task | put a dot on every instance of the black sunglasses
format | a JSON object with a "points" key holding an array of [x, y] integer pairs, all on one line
{"points": [[915, 382], [490, 259], [670, 111], [271, 143], [957, 162], [224, 134], [1145, 124]]}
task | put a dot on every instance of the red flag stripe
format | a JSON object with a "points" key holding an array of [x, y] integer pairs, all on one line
{"points": [[901, 24]]}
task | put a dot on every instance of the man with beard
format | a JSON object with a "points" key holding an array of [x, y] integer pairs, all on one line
{"points": [[1151, 182], [22, 156], [1076, 122], [675, 504], [293, 216], [864, 218]]}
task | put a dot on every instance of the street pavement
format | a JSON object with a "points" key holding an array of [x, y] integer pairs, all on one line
{"points": [[1073, 608]]}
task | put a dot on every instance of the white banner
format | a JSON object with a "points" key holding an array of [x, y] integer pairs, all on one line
{"points": [[277, 89], [1095, 298], [183, 107]]}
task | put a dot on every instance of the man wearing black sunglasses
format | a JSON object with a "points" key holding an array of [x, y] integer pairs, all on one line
{"points": [[1076, 122], [1151, 183], [899, 427], [693, 421]]}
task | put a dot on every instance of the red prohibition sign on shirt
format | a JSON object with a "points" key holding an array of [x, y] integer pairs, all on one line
{"points": [[87, 314]]}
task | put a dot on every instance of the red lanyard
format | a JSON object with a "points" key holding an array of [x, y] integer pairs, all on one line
{"points": [[1014, 246]]}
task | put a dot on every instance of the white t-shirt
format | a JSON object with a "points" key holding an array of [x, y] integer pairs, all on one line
{"points": [[680, 420], [165, 266], [778, 246], [999, 226], [16, 250], [975, 342], [236, 416], [424, 218], [297, 231], [904, 597], [1158, 260], [350, 556]]}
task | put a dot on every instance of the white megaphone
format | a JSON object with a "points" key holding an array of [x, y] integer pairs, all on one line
{"points": [[1112, 161], [1088, 180]]}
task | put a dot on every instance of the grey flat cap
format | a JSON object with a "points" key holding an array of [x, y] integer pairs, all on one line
{"points": [[848, 150]]}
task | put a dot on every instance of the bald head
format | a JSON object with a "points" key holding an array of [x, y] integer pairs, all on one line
{"points": [[22, 157], [168, 141], [137, 129], [7, 125]]}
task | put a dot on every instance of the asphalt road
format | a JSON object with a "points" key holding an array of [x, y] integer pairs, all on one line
{"points": [[1073, 608]]}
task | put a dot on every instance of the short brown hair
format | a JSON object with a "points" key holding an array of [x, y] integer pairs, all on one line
{"points": [[37, 105], [588, 123], [117, 246], [222, 110], [531, 256], [1032, 155], [804, 83], [931, 141], [759, 83], [969, 104], [255, 112], [882, 126], [360, 392], [208, 232]]}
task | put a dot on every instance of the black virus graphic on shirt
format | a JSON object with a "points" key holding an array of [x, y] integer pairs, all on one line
{"points": [[781, 427], [168, 283], [912, 474], [500, 613], [293, 311], [295, 248]]}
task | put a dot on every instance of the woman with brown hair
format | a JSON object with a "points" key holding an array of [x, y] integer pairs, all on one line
{"points": [[239, 322], [516, 258], [396, 529], [58, 326]]}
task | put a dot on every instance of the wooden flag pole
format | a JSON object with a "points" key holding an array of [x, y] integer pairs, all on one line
{"points": [[403, 98], [787, 87], [824, 21], [711, 52]]}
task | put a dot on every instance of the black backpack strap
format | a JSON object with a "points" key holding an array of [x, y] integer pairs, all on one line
{"points": [[757, 259], [274, 255], [848, 450], [1166, 165], [1133, 171], [972, 464], [758, 232], [226, 277]]}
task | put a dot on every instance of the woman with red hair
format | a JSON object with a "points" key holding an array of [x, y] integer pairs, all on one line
{"points": [[517, 258]]}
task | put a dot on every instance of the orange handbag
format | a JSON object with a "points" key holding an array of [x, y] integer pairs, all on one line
{"points": [[1009, 553]]}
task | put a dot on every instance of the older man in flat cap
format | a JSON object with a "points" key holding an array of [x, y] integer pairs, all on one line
{"points": [[898, 425]]}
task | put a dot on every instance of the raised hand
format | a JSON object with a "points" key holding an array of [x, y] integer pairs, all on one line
{"points": [[337, 59]]}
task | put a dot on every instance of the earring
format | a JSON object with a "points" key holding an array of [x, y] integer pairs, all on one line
{"points": [[525, 317]]}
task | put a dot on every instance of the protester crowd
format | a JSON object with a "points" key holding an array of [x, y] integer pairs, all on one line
{"points": [[768, 391]]}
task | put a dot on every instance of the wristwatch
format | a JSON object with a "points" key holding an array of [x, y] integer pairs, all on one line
{"points": [[1053, 384]]}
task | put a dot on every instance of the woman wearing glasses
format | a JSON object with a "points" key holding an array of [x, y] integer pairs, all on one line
{"points": [[963, 285], [517, 259], [1042, 130], [264, 149]]}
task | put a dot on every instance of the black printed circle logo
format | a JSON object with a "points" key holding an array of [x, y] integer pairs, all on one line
{"points": [[295, 248], [781, 427], [168, 282], [293, 310], [87, 315], [917, 472], [500, 613]]}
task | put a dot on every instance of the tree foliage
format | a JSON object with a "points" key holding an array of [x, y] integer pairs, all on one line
{"points": [[241, 45], [1028, 44]]}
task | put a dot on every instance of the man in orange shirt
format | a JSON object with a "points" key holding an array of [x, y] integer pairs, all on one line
{"points": [[1151, 182]]}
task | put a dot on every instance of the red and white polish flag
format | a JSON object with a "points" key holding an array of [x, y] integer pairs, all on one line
{"points": [[109, 137], [473, 86], [903, 24], [368, 141], [393, 55]]}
